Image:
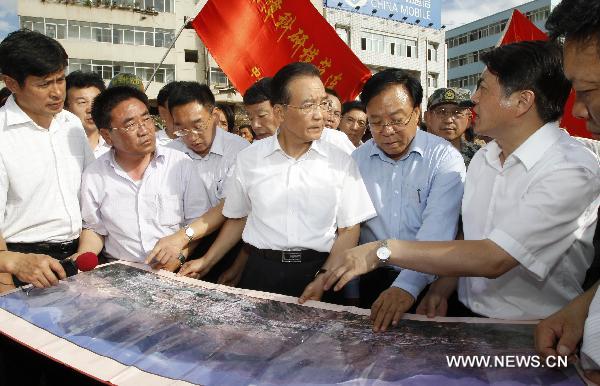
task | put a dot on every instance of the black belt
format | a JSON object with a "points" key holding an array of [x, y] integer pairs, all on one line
{"points": [[45, 246], [302, 256]]}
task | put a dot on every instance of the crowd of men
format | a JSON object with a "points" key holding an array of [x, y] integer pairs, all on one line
{"points": [[408, 216]]}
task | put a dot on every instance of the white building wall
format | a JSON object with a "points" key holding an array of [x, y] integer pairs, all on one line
{"points": [[359, 24]]}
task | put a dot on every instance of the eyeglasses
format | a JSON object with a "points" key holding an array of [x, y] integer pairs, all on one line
{"points": [[132, 127], [352, 121], [308, 108], [455, 113], [396, 124], [199, 128]]}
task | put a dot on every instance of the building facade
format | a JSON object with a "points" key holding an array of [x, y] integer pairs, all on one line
{"points": [[386, 42], [132, 36], [466, 43]]}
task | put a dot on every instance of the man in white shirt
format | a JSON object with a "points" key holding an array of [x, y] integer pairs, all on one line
{"points": [[43, 151], [530, 203], [578, 21], [138, 192], [354, 121], [82, 88], [213, 151], [303, 197]]}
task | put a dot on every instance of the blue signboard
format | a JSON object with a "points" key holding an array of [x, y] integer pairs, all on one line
{"points": [[426, 13]]}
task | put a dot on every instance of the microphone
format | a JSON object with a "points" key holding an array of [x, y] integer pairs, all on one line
{"points": [[84, 262]]}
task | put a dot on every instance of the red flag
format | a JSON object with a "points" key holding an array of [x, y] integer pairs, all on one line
{"points": [[520, 29], [252, 39]]}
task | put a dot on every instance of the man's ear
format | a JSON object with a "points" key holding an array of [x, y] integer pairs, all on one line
{"points": [[525, 101], [105, 133], [11, 84]]}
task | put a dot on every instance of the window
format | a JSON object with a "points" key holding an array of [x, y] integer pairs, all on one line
{"points": [[432, 80], [344, 33], [432, 52], [191, 56], [218, 77]]}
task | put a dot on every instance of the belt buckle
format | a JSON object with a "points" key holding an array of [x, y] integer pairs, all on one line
{"points": [[291, 256]]}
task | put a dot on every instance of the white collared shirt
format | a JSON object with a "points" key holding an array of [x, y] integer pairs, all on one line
{"points": [[590, 349], [101, 148], [541, 208], [338, 139], [162, 138], [40, 176], [216, 166], [133, 215], [296, 204]]}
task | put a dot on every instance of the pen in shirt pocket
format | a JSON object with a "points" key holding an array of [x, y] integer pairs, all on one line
{"points": [[419, 195]]}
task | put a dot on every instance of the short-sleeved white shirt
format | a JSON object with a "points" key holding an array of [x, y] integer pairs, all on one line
{"points": [[540, 207], [134, 215], [216, 166], [296, 204], [40, 176]]}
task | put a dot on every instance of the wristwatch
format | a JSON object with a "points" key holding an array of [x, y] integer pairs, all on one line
{"points": [[383, 252], [189, 232]]}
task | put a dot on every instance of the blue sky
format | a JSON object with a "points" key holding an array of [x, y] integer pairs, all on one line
{"points": [[454, 12]]}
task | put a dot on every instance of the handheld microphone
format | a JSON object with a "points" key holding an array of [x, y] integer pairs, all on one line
{"points": [[84, 262]]}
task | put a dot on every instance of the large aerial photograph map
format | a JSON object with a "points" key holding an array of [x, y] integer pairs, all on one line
{"points": [[209, 336]]}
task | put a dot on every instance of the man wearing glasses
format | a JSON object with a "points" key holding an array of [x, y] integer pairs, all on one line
{"points": [[415, 180], [530, 203], [213, 151], [300, 198], [137, 192], [354, 121], [448, 116]]}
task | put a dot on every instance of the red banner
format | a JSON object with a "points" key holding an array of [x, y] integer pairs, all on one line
{"points": [[252, 39], [520, 29]]}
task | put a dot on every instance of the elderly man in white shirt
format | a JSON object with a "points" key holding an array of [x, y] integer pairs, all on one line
{"points": [[530, 202], [138, 192], [43, 151], [303, 197]]}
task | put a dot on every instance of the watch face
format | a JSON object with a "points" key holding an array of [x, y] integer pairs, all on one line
{"points": [[383, 253], [189, 232]]}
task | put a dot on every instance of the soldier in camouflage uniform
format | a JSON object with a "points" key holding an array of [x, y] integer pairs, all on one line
{"points": [[448, 116]]}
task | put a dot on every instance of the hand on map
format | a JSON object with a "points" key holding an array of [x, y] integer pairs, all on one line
{"points": [[196, 269], [561, 332], [389, 308], [314, 289], [167, 248], [435, 302], [351, 263], [40, 270]]}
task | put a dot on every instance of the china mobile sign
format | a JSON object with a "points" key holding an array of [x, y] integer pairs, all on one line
{"points": [[425, 11]]}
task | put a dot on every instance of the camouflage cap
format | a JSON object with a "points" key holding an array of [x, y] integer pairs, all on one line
{"points": [[459, 96], [125, 79]]}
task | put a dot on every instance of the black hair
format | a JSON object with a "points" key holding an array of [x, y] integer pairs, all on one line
{"points": [[283, 77], [392, 76], [353, 105], [24, 53], [108, 99], [4, 94], [259, 92], [332, 92], [187, 92], [229, 115], [577, 20], [249, 127], [165, 91], [80, 79], [535, 66]]}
